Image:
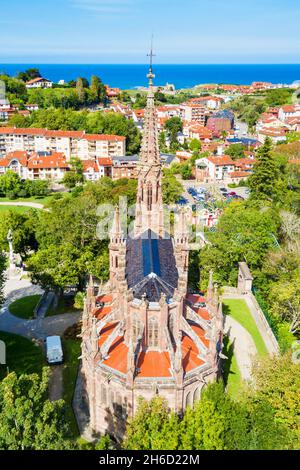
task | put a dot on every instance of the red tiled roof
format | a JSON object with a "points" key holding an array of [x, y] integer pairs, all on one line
{"points": [[105, 161], [115, 138], [56, 160], [117, 356], [58, 133], [154, 364], [238, 174], [36, 80], [190, 359], [220, 161], [22, 157]]}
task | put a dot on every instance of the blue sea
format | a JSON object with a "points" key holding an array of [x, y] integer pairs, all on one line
{"points": [[126, 76]]}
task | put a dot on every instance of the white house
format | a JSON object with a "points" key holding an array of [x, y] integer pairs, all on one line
{"points": [[39, 82]]}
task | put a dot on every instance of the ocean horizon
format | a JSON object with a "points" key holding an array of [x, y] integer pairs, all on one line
{"points": [[129, 76]]}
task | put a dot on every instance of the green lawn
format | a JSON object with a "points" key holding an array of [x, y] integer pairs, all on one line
{"points": [[22, 355], [65, 305], [38, 200], [72, 350], [231, 372], [20, 209], [238, 309], [24, 308]]}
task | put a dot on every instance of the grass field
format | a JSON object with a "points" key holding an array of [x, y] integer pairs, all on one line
{"points": [[238, 309], [231, 372], [65, 305], [22, 355], [37, 200], [20, 209], [71, 349], [24, 308]]}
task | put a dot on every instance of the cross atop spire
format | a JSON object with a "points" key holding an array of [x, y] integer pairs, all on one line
{"points": [[151, 55]]}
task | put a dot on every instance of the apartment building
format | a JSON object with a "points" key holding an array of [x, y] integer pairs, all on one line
{"points": [[71, 143], [193, 113]]}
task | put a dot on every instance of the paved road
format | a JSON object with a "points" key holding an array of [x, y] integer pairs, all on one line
{"points": [[33, 205], [244, 347]]}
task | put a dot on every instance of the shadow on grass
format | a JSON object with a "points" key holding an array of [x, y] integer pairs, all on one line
{"points": [[228, 351]]}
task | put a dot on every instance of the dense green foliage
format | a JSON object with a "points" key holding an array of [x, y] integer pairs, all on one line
{"points": [[28, 420], [68, 252], [12, 186], [215, 423]]}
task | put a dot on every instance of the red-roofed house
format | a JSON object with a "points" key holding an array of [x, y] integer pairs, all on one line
{"points": [[289, 111], [71, 143], [39, 82]]}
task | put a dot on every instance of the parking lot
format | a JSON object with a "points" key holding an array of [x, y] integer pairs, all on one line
{"points": [[208, 193]]}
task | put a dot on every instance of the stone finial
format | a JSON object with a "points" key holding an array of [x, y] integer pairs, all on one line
{"points": [[116, 233]]}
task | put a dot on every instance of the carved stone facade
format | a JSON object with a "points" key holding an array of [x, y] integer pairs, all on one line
{"points": [[143, 334]]}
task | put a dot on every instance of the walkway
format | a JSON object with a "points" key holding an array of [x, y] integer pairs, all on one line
{"points": [[33, 205], [244, 347]]}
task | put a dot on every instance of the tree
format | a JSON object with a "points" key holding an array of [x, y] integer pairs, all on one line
{"points": [[277, 382], [10, 184], [243, 233], [172, 189], [173, 126], [68, 252], [98, 90], [29, 74], [80, 90], [278, 97], [195, 145], [264, 179], [236, 151], [153, 427], [23, 227], [72, 179], [162, 142], [28, 420], [216, 422]]}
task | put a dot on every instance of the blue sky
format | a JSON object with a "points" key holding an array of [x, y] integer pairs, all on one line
{"points": [[119, 31]]}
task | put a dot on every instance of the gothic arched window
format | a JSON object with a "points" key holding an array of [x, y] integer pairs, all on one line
{"points": [[103, 395], [137, 329], [189, 400], [153, 333], [149, 197]]}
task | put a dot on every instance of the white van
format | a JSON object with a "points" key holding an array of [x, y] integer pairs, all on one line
{"points": [[54, 350]]}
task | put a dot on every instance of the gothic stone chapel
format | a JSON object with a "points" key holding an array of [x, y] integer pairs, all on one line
{"points": [[143, 334]]}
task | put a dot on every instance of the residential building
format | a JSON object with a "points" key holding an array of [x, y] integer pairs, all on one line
{"points": [[71, 143], [39, 82], [143, 334], [289, 111], [193, 113], [209, 102], [275, 134], [221, 121], [40, 165]]}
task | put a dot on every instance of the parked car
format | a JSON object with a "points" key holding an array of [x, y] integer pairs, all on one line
{"points": [[232, 193], [223, 190], [54, 350], [182, 201]]}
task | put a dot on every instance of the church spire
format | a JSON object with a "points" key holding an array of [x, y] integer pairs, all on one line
{"points": [[149, 208]]}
